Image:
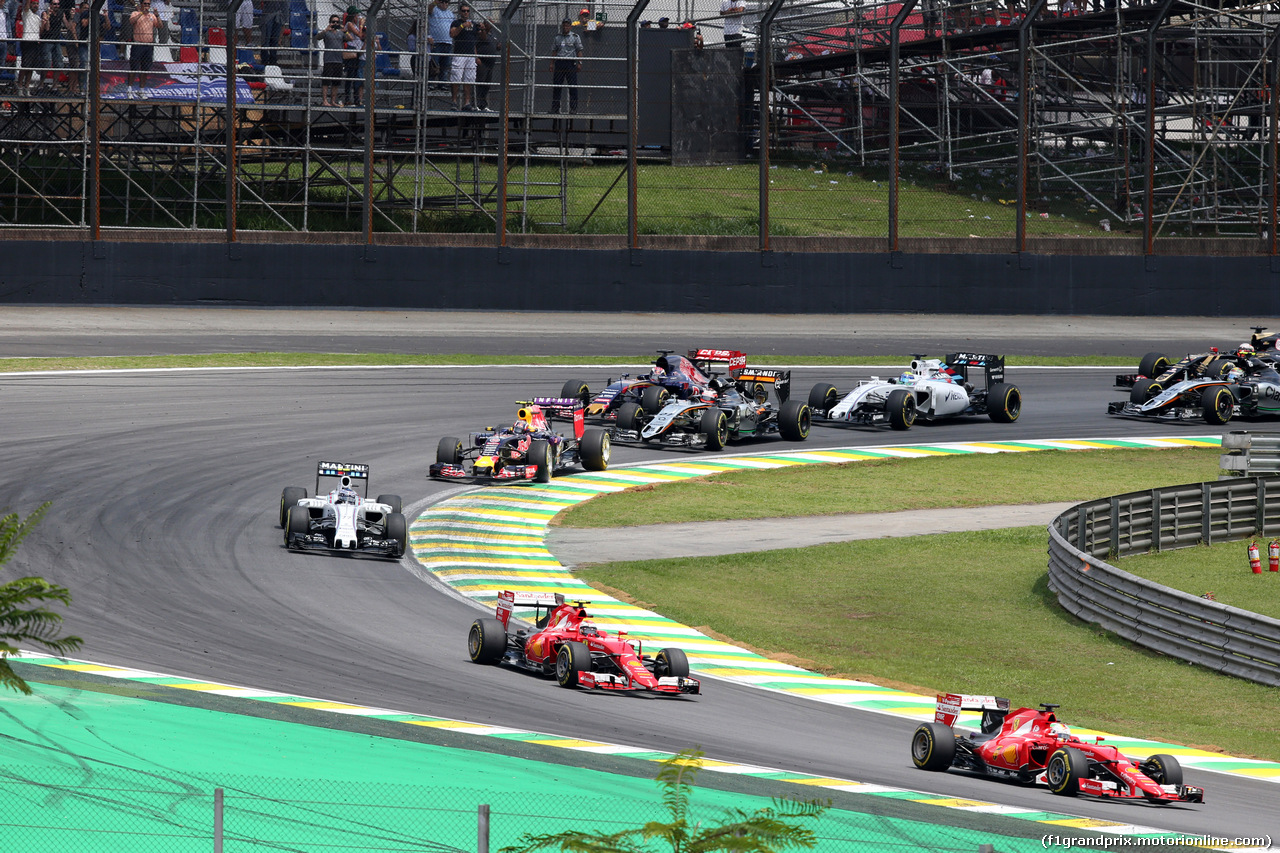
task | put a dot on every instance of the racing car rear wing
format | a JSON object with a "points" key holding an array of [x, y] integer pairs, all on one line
{"points": [[734, 360], [992, 366], [993, 708], [508, 601], [564, 409], [779, 379], [352, 474]]}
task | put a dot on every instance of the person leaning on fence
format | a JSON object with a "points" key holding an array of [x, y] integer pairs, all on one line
{"points": [[566, 62], [486, 60], [353, 57], [462, 70], [732, 12], [78, 47], [143, 23], [332, 38], [53, 28], [244, 23], [29, 17], [439, 42]]}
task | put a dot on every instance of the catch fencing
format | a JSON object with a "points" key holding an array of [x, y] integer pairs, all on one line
{"points": [[1219, 637], [1121, 129]]}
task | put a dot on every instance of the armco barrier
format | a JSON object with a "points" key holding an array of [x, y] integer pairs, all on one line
{"points": [[1222, 638]]}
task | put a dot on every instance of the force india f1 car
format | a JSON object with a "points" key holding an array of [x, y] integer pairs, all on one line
{"points": [[343, 521], [932, 389], [730, 408], [670, 376], [1032, 747], [565, 643], [527, 450]]}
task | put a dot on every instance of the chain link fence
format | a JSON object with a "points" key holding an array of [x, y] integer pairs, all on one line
{"points": [[970, 124]]}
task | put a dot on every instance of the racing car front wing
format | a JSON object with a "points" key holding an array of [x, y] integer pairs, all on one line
{"points": [[371, 547], [1169, 413], [667, 684], [445, 471]]}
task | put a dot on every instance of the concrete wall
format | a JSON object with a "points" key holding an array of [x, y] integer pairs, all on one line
{"points": [[459, 277]]}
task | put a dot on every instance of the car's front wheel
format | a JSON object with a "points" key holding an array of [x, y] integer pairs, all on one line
{"points": [[1153, 364], [654, 398], [714, 424], [392, 501], [1163, 769], [631, 417], [823, 398], [540, 456], [1064, 771], [449, 450], [671, 663], [1218, 404], [398, 529], [901, 408], [572, 659], [289, 498], [297, 524]]}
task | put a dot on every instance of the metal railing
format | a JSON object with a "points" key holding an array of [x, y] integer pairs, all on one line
{"points": [[1249, 453], [1219, 637]]}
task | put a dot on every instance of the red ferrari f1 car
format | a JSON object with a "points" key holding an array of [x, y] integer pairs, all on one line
{"points": [[580, 654], [1032, 747]]}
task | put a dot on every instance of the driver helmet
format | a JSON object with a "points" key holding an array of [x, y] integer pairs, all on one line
{"points": [[1060, 730], [519, 426], [1246, 349], [907, 378], [657, 373], [346, 495], [1235, 374]]}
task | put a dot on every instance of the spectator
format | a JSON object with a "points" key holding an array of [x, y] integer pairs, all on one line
{"points": [[143, 23], [331, 61], [78, 48], [439, 42], [30, 12], [646, 24], [566, 62], [587, 23], [486, 59], [732, 12], [165, 13], [274, 15], [6, 30], [53, 28], [697, 39], [244, 23], [411, 45], [663, 22], [353, 58], [462, 68]]}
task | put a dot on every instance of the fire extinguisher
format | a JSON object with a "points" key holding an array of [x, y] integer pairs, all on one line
{"points": [[1273, 555], [1255, 559]]}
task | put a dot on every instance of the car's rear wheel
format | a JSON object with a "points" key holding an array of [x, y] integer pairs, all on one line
{"points": [[714, 424], [794, 420], [1153, 364], [393, 501], [671, 663], [541, 458], [398, 529], [595, 450], [1218, 405], [1144, 390], [823, 398], [1004, 403], [1218, 368], [1064, 771], [486, 641], [576, 389], [933, 746], [572, 659], [449, 450], [289, 498], [1163, 769], [297, 524], [653, 398], [631, 417], [901, 408], [756, 392]]}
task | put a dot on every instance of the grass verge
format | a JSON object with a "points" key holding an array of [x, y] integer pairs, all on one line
{"points": [[968, 612], [890, 485], [302, 359], [1222, 569]]}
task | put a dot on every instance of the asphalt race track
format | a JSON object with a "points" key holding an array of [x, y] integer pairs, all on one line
{"points": [[166, 488]]}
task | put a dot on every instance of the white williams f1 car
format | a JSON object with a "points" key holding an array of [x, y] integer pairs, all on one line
{"points": [[344, 520], [932, 389]]}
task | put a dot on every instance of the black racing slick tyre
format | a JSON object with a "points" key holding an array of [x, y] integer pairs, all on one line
{"points": [[1004, 403], [1153, 364], [289, 498], [756, 392], [1144, 390], [595, 449], [392, 501], [576, 389], [398, 529], [1064, 771], [933, 746], [715, 426], [654, 398], [1162, 769], [823, 398], [901, 408], [572, 659], [1217, 369], [486, 641], [298, 523], [631, 417], [1218, 405], [671, 663], [541, 458], [794, 420], [449, 450]]}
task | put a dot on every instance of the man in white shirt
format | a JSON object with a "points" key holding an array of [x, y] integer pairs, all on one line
{"points": [[732, 12]]}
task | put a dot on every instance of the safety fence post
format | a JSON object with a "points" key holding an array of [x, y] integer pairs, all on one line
{"points": [[504, 121], [765, 57], [633, 120], [232, 6], [217, 820], [1024, 119], [370, 79], [895, 49], [482, 829]]}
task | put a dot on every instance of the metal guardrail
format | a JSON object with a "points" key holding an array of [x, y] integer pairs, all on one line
{"points": [[1222, 638], [1249, 453]]}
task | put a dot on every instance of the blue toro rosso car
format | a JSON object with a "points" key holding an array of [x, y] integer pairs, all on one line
{"points": [[529, 449], [671, 377]]}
